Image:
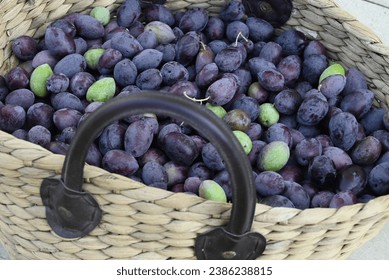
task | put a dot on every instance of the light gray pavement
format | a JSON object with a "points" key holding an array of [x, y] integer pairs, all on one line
{"points": [[3, 253], [374, 14]]}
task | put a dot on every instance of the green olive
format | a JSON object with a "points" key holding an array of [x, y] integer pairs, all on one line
{"points": [[268, 114], [211, 190], [102, 14], [244, 140], [273, 156], [38, 79], [101, 90]]}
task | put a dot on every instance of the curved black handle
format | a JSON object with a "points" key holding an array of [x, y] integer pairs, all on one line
{"points": [[72, 213]]}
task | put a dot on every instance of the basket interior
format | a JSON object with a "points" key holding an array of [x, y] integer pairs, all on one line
{"points": [[347, 40]]}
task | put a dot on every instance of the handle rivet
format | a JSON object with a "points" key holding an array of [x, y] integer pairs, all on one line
{"points": [[229, 254], [65, 213], [265, 7]]}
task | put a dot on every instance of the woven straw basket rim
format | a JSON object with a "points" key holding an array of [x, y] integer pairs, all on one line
{"points": [[166, 222]]}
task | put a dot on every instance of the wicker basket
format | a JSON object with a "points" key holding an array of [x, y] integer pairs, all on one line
{"points": [[140, 222]]}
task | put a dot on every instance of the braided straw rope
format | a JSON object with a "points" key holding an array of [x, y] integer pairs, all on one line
{"points": [[141, 222]]}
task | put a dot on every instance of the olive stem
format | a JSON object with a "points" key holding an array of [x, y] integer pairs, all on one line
{"points": [[195, 99], [203, 46], [240, 35]]}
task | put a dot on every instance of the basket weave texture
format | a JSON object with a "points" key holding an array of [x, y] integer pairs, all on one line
{"points": [[141, 222]]}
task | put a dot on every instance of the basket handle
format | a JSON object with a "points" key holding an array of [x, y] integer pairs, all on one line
{"points": [[72, 213]]}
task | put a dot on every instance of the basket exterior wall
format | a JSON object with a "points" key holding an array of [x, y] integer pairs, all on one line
{"points": [[140, 222]]}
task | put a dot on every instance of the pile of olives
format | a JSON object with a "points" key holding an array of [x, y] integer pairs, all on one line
{"points": [[307, 124]]}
